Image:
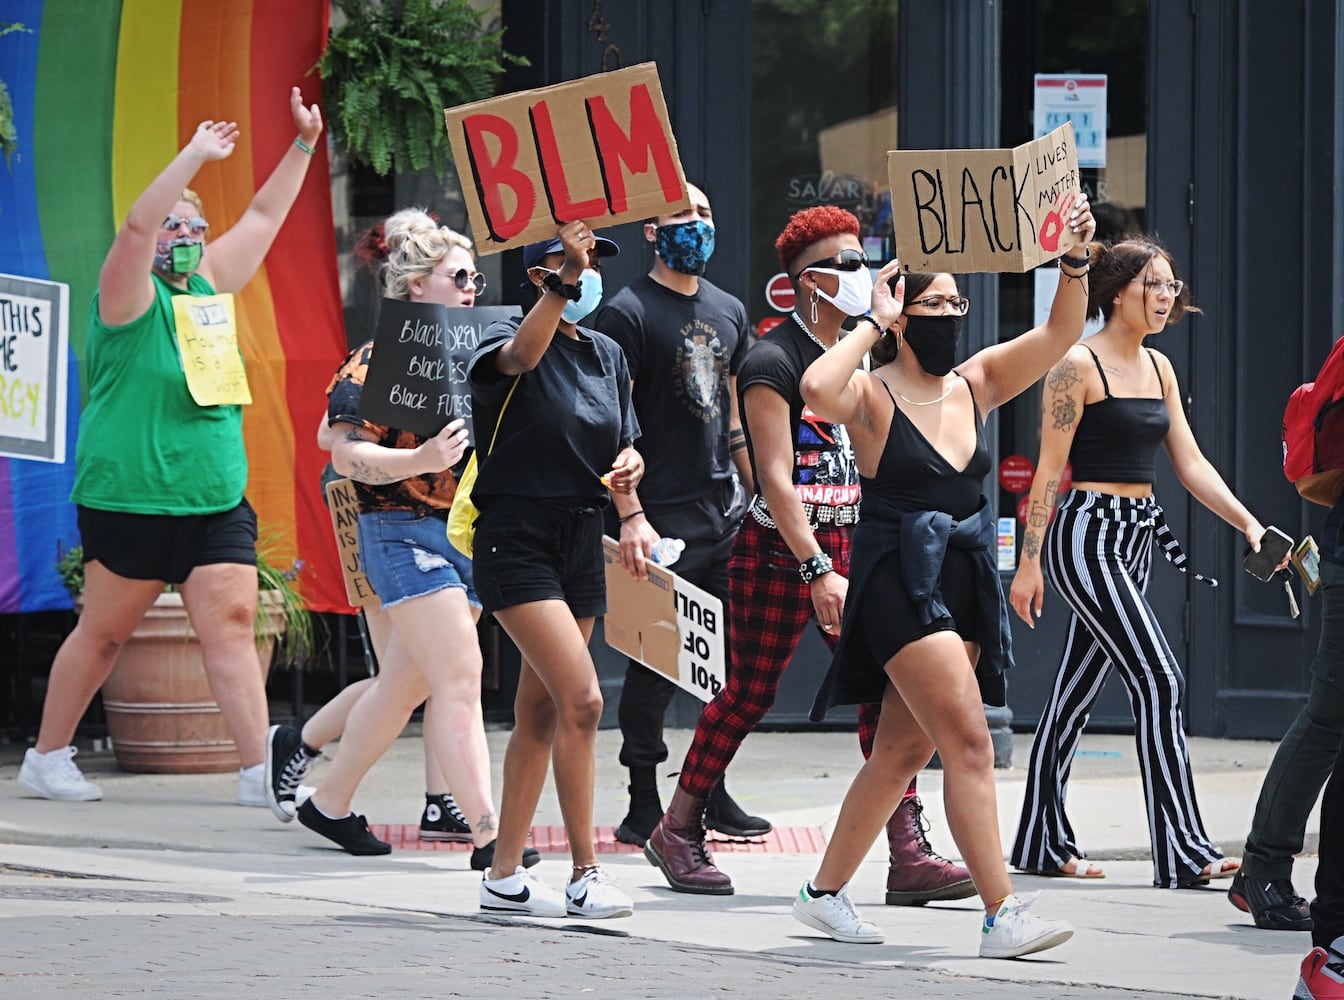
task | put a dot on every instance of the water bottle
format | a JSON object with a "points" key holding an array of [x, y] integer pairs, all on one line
{"points": [[666, 551]]}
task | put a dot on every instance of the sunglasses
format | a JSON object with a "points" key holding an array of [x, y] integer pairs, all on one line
{"points": [[195, 223], [464, 279], [845, 260]]}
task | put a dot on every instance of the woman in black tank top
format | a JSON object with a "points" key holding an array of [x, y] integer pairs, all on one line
{"points": [[1108, 404], [916, 426]]}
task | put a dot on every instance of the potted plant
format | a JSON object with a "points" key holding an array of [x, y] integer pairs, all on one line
{"points": [[391, 67], [161, 714]]}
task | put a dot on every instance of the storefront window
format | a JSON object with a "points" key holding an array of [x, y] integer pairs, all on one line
{"points": [[823, 117]]}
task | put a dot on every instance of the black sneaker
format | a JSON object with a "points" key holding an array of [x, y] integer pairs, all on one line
{"points": [[443, 820], [351, 833], [286, 764], [482, 858], [1273, 903]]}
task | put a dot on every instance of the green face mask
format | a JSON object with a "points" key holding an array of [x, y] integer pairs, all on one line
{"points": [[179, 256]]}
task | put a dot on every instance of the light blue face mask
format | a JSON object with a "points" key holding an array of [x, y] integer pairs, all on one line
{"points": [[590, 287]]}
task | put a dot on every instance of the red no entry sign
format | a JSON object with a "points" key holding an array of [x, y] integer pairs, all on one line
{"points": [[1015, 473], [779, 293]]}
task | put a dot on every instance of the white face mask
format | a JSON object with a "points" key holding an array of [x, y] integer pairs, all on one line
{"points": [[854, 297]]}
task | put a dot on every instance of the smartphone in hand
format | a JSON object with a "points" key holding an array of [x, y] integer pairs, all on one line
{"points": [[1274, 546]]}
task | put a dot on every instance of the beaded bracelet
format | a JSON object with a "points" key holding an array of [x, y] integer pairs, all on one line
{"points": [[298, 141]]}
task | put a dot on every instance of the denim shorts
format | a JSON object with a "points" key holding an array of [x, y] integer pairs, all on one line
{"points": [[531, 550], [405, 555]]}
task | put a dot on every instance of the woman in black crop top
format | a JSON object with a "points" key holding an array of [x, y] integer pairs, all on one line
{"points": [[925, 624], [1108, 405]]}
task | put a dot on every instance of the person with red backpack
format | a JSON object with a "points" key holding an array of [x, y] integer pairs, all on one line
{"points": [[1313, 449]]}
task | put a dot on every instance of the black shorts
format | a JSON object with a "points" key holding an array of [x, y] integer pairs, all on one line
{"points": [[529, 550], [167, 547]]}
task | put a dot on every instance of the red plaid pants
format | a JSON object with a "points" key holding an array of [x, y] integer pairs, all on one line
{"points": [[769, 605]]}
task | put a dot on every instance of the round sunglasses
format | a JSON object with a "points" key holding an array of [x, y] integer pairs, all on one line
{"points": [[195, 223], [464, 279]]}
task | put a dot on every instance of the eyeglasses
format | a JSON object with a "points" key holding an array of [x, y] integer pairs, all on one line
{"points": [[464, 279], [196, 224], [1153, 284], [845, 260], [959, 303]]}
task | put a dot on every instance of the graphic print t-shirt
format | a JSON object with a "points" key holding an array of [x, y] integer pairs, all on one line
{"points": [[681, 351], [426, 493], [824, 470]]}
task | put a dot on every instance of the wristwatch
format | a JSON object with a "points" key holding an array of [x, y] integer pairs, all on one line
{"points": [[552, 281], [815, 566]]}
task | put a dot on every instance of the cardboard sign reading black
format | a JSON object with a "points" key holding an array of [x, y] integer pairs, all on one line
{"points": [[417, 377]]}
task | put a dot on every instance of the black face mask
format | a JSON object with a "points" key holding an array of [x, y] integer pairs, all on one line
{"points": [[935, 340]]}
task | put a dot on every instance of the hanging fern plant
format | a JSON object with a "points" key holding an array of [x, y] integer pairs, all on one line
{"points": [[392, 67], [9, 138]]}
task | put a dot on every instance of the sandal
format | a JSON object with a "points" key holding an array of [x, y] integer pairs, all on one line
{"points": [[1225, 868], [1073, 868]]}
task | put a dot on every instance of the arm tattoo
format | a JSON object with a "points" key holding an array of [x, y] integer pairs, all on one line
{"points": [[1051, 494], [1039, 516], [1063, 377], [1031, 545], [1065, 412], [365, 473]]}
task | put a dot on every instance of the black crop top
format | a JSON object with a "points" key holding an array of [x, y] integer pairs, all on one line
{"points": [[1117, 437], [914, 476]]}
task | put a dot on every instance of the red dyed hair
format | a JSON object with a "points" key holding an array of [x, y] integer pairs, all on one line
{"points": [[809, 226]]}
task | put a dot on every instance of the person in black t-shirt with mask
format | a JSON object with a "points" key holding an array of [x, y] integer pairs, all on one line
{"points": [[684, 340]]}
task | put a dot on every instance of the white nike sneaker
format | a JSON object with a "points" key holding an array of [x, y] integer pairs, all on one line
{"points": [[1016, 932], [522, 893], [596, 895], [55, 775], [835, 915]]}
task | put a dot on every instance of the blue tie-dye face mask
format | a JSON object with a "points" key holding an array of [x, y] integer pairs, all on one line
{"points": [[685, 246]]}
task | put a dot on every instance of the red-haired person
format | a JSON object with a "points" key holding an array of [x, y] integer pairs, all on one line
{"points": [[926, 625], [790, 561]]}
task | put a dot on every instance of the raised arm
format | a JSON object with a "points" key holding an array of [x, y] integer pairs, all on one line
{"points": [[1196, 472], [124, 287], [1061, 407], [525, 350], [1002, 371], [834, 385], [234, 257]]}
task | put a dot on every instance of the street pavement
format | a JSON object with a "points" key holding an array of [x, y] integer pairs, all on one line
{"points": [[166, 888]]}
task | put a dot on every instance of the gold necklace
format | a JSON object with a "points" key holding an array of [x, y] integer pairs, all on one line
{"points": [[912, 402]]}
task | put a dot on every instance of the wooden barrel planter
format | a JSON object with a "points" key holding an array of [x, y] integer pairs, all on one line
{"points": [[161, 714]]}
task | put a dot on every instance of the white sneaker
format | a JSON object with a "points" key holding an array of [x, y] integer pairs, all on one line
{"points": [[1017, 932], [521, 892], [596, 895], [836, 916], [54, 775], [252, 786]]}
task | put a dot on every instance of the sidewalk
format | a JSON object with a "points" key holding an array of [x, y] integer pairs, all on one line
{"points": [[182, 835]]}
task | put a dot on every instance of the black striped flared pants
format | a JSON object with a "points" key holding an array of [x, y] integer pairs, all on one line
{"points": [[1097, 556]]}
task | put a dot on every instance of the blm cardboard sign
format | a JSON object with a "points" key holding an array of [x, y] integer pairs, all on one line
{"points": [[667, 624], [599, 149], [344, 507], [417, 378], [34, 354], [967, 210]]}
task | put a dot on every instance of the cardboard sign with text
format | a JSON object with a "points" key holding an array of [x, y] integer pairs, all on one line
{"points": [[345, 523], [665, 623], [417, 378], [967, 210], [599, 149], [34, 356]]}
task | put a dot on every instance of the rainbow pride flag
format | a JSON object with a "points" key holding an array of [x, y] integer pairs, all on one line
{"points": [[105, 93]]}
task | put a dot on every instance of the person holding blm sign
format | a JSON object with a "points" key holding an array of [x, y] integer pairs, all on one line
{"points": [[405, 489], [160, 468], [925, 625], [558, 398], [1108, 404], [684, 340], [789, 564]]}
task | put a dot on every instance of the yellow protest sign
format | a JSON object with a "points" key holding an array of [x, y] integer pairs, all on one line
{"points": [[207, 337]]}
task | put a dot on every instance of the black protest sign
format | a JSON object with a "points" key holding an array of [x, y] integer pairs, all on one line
{"points": [[417, 379], [968, 210]]}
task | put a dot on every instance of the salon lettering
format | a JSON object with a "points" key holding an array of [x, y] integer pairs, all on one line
{"points": [[599, 149], [984, 209]]}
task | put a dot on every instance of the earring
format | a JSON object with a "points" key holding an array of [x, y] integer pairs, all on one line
{"points": [[814, 305]]}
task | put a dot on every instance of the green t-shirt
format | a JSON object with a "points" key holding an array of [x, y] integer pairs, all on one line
{"points": [[145, 446]]}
